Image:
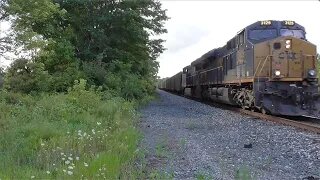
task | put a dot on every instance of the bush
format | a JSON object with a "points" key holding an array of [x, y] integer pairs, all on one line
{"points": [[26, 76], [75, 135]]}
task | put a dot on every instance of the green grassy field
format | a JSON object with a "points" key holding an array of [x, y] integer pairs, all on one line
{"points": [[80, 134]]}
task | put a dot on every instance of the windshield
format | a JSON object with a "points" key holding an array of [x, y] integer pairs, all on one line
{"points": [[291, 32], [262, 34]]}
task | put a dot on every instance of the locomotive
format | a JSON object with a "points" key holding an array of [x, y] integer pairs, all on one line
{"points": [[269, 66]]}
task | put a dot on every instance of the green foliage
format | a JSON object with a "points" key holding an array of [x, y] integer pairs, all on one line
{"points": [[318, 61], [106, 42], [1, 77], [243, 173], [48, 136], [201, 175], [26, 76]]}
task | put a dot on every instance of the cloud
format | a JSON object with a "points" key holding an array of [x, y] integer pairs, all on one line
{"points": [[184, 36]]}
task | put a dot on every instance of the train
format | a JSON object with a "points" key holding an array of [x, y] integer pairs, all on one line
{"points": [[268, 66]]}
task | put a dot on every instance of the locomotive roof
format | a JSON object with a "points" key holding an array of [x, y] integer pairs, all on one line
{"points": [[275, 24], [203, 58]]}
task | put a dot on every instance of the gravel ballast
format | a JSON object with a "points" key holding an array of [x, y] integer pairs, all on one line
{"points": [[185, 139]]}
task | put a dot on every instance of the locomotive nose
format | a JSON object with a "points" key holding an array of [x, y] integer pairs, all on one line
{"points": [[292, 59]]}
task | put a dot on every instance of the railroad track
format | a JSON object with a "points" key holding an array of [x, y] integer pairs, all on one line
{"points": [[305, 123]]}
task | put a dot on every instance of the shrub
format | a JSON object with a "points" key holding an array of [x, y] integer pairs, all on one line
{"points": [[73, 135], [26, 76]]}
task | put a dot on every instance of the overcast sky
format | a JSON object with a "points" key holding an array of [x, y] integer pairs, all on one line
{"points": [[196, 27]]}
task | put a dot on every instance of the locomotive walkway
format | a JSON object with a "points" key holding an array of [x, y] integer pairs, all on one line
{"points": [[185, 139]]}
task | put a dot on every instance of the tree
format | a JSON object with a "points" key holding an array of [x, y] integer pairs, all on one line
{"points": [[96, 39], [26, 76], [318, 61], [1, 76]]}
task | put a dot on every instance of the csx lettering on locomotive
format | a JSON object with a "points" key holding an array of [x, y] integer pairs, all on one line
{"points": [[288, 55]]}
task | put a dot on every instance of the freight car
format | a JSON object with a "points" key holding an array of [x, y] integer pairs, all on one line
{"points": [[268, 66]]}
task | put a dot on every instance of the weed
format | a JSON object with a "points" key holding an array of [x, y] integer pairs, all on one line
{"points": [[182, 142], [243, 173], [191, 125], [162, 148], [203, 176], [161, 175], [74, 135]]}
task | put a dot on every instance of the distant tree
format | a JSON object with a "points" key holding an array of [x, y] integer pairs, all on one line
{"points": [[318, 60], [26, 76], [3, 13], [1, 76]]}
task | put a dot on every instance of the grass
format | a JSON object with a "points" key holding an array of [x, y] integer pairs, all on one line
{"points": [[162, 148], [203, 176], [160, 175], [243, 173], [75, 135], [191, 125]]}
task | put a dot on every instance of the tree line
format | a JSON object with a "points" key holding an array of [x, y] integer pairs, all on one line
{"points": [[110, 44]]}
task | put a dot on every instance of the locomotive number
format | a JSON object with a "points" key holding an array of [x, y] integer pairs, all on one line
{"points": [[265, 23], [288, 23]]}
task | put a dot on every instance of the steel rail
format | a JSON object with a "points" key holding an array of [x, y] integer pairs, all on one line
{"points": [[307, 126]]}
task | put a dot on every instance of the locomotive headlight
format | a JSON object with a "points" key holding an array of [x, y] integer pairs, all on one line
{"points": [[288, 43], [277, 73], [312, 73]]}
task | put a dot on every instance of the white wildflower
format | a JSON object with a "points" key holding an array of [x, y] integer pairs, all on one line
{"points": [[42, 144], [70, 158], [98, 123], [93, 131], [63, 158], [84, 134], [77, 158], [32, 177], [62, 154], [67, 162], [85, 164], [53, 164], [48, 172], [64, 170], [70, 167], [70, 173]]}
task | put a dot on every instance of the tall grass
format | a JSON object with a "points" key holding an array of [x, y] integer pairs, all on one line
{"points": [[80, 134]]}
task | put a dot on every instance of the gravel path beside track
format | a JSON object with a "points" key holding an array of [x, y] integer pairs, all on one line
{"points": [[185, 139]]}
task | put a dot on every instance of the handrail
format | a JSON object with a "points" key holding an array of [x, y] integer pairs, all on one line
{"points": [[264, 62]]}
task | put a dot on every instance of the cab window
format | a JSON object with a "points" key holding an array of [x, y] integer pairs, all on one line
{"points": [[292, 32], [262, 34]]}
